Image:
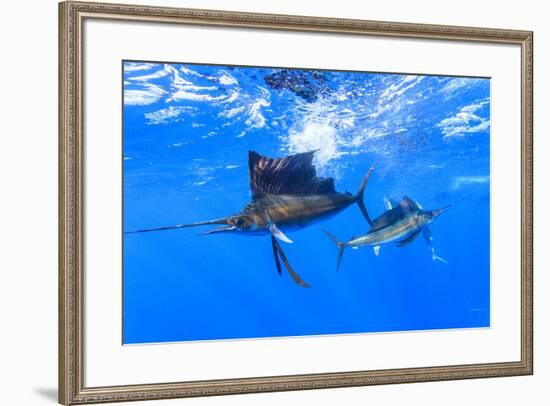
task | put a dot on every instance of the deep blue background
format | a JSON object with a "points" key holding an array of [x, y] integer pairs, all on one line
{"points": [[187, 132]]}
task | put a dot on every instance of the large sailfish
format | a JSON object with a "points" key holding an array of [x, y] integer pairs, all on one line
{"points": [[286, 195], [401, 223]]}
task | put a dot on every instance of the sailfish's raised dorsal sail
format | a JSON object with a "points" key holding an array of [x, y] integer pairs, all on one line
{"points": [[292, 175]]}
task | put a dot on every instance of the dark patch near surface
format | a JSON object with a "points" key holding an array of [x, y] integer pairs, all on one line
{"points": [[306, 84]]}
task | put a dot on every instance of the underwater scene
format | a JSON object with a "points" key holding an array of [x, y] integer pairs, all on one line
{"points": [[264, 202]]}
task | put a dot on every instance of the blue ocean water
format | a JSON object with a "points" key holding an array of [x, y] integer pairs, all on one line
{"points": [[187, 132]]}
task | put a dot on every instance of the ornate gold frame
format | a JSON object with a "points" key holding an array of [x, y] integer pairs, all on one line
{"points": [[71, 16]]}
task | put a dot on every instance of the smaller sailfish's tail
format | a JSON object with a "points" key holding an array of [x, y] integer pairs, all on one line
{"points": [[341, 246], [359, 196]]}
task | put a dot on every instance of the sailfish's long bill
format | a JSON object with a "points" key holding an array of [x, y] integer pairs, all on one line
{"points": [[401, 223], [174, 227], [286, 194]]}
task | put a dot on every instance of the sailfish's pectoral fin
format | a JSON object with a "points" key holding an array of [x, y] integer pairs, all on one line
{"points": [[288, 267], [275, 232], [276, 255], [429, 241], [428, 237], [408, 240]]}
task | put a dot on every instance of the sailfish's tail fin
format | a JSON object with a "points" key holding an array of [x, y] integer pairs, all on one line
{"points": [[199, 223], [359, 197], [340, 245]]}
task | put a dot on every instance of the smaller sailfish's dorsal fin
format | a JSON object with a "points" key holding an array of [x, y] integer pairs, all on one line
{"points": [[292, 175], [408, 205], [390, 203]]}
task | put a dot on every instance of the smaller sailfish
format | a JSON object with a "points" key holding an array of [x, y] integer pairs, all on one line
{"points": [[402, 222], [286, 195]]}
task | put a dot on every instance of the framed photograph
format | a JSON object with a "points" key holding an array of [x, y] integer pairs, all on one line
{"points": [[253, 203]]}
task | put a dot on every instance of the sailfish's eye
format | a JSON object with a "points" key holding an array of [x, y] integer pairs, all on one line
{"points": [[236, 221], [242, 222]]}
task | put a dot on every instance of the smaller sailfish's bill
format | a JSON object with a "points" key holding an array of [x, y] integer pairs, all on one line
{"points": [[401, 224]]}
